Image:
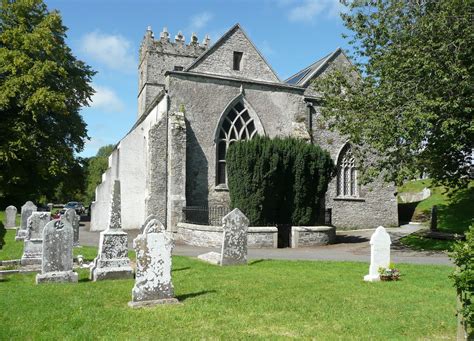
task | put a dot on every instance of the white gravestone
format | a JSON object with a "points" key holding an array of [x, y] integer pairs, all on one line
{"points": [[112, 261], [33, 247], [57, 259], [379, 253], [234, 241], [10, 222], [26, 210], [153, 283]]}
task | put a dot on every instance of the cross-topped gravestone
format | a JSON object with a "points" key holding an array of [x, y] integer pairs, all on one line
{"points": [[33, 247], [26, 210], [10, 213], [379, 253], [153, 283], [56, 265], [112, 262], [234, 243]]}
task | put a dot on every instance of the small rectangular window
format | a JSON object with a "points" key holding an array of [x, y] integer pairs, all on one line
{"points": [[178, 68], [237, 60]]}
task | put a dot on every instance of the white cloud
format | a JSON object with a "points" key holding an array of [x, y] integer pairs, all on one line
{"points": [[200, 20], [106, 99], [114, 51], [307, 10]]}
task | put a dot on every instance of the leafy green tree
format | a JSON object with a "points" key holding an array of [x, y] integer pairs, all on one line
{"points": [[96, 166], [278, 181], [463, 277], [42, 88], [409, 98]]}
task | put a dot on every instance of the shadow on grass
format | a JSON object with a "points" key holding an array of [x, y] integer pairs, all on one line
{"points": [[181, 269], [184, 297], [457, 216], [257, 261], [346, 239], [417, 242]]}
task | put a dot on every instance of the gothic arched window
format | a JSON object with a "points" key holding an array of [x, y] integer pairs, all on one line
{"points": [[237, 124], [347, 174]]}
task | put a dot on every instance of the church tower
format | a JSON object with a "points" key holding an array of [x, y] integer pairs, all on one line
{"points": [[159, 56]]}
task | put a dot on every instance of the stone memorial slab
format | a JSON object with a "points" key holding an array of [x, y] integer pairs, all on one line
{"points": [[10, 222], [74, 219], [153, 283], [112, 262], [33, 247], [234, 243], [379, 253], [57, 259], [26, 210]]}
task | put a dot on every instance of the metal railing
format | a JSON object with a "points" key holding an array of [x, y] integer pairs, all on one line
{"points": [[204, 215]]}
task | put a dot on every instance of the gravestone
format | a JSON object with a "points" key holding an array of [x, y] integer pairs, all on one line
{"points": [[26, 210], [33, 247], [112, 261], [74, 219], [153, 283], [57, 259], [234, 241], [10, 221], [379, 253]]}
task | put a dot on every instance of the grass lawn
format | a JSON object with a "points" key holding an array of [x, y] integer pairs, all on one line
{"points": [[455, 212], [266, 299]]}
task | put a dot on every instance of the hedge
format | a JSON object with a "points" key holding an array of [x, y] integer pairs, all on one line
{"points": [[278, 181]]}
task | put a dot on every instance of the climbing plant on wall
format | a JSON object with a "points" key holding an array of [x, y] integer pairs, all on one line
{"points": [[278, 181]]}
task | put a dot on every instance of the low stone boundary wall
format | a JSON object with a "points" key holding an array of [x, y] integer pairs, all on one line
{"points": [[211, 236], [307, 236]]}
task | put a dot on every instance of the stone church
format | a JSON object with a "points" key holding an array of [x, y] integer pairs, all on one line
{"points": [[193, 100]]}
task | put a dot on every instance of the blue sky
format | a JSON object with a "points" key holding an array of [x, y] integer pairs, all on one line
{"points": [[106, 34]]}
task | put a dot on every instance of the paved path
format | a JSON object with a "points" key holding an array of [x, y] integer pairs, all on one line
{"points": [[350, 246]]}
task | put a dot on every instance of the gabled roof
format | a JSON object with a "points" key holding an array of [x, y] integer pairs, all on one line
{"points": [[223, 39], [303, 77]]}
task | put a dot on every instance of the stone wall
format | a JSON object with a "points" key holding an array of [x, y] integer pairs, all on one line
{"points": [[220, 59], [308, 236], [205, 99], [376, 204], [211, 236], [157, 57], [128, 163]]}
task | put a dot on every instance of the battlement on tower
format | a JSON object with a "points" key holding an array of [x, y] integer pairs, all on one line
{"points": [[159, 55], [178, 46]]}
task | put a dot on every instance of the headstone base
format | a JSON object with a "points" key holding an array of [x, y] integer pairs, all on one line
{"points": [[144, 304], [10, 227], [99, 274], [370, 278], [57, 277], [32, 252], [211, 257], [20, 234]]}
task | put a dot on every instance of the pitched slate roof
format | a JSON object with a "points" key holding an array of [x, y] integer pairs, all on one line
{"points": [[302, 77]]}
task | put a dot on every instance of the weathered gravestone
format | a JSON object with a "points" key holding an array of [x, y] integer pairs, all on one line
{"points": [[33, 247], [234, 241], [57, 259], [10, 221], [26, 210], [112, 262], [74, 219], [379, 253], [153, 283]]}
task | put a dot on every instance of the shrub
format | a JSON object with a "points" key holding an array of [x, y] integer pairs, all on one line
{"points": [[2, 235], [281, 180], [463, 257]]}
